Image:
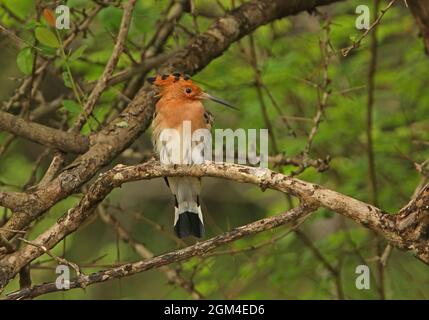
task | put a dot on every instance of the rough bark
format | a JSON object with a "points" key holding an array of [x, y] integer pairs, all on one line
{"points": [[50, 137], [198, 249], [391, 227], [420, 10]]}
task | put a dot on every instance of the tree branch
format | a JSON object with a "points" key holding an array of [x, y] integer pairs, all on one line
{"points": [[166, 27], [198, 249], [172, 274], [110, 66], [365, 214], [420, 10], [50, 137]]}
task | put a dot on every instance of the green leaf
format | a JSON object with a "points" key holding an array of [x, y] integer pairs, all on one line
{"points": [[47, 51], [47, 37], [21, 8], [111, 17], [72, 106], [24, 60], [78, 53], [67, 80], [76, 3], [31, 25], [353, 37]]}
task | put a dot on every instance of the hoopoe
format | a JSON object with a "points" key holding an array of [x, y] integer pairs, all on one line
{"points": [[180, 102]]}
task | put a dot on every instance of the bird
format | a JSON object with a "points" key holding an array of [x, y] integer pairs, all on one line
{"points": [[180, 101]]}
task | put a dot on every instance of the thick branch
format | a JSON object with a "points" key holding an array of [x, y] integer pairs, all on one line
{"points": [[198, 249], [172, 274], [44, 135], [12, 200], [362, 213], [413, 223], [420, 10]]}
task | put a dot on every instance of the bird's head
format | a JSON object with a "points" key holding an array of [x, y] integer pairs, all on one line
{"points": [[182, 88]]}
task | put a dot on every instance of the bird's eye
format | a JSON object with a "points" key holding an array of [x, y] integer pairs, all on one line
{"points": [[188, 90]]}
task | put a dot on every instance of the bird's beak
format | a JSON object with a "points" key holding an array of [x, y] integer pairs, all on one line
{"points": [[206, 96]]}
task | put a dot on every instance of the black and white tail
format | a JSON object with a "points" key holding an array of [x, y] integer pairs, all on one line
{"points": [[188, 218]]}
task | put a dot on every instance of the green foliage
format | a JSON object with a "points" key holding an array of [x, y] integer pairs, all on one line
{"points": [[47, 37], [72, 107], [67, 80], [21, 8], [78, 53], [24, 60], [110, 17], [289, 61]]}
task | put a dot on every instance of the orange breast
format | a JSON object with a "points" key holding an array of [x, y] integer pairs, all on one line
{"points": [[172, 114]]}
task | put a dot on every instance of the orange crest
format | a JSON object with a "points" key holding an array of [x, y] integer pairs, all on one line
{"points": [[180, 88], [175, 84]]}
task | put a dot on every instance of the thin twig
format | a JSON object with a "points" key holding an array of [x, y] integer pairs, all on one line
{"points": [[171, 274], [110, 66], [60, 260], [198, 249], [334, 271], [356, 44]]}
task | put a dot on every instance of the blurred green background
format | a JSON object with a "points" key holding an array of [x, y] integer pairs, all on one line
{"points": [[289, 59]]}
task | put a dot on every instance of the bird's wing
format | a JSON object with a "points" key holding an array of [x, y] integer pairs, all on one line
{"points": [[208, 118]]}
